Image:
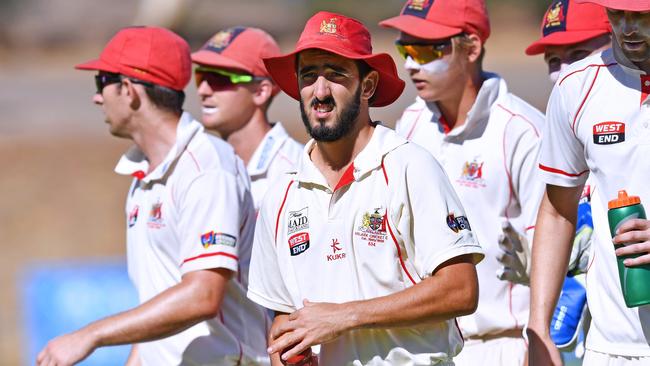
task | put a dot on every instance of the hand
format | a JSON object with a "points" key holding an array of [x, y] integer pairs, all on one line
{"points": [[66, 350], [315, 323], [635, 236], [542, 350], [514, 257]]}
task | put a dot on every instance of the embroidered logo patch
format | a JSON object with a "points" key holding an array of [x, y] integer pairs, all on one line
{"points": [[216, 238], [298, 220], [336, 248], [418, 8], [555, 17], [298, 243], [472, 174], [457, 224], [133, 216], [607, 133], [155, 216], [373, 227]]}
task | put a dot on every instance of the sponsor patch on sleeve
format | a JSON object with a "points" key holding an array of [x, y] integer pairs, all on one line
{"points": [[457, 224], [216, 238]]}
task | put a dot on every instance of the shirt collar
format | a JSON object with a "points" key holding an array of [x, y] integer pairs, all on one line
{"points": [[135, 163], [383, 141], [266, 150]]}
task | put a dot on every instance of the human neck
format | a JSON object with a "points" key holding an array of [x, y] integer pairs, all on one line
{"points": [[155, 135], [622, 59], [457, 103], [246, 140], [333, 158]]}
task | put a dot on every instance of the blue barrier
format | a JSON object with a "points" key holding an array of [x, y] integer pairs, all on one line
{"points": [[61, 296]]}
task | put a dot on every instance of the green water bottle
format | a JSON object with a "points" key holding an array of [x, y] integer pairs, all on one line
{"points": [[635, 281]]}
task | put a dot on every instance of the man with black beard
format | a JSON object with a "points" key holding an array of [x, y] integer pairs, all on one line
{"points": [[366, 249]]}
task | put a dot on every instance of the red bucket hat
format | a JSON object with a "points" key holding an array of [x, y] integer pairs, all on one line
{"points": [[152, 54], [568, 22], [436, 19], [629, 5], [239, 48], [345, 37]]}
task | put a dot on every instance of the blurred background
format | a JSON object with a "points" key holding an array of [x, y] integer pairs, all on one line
{"points": [[61, 205]]}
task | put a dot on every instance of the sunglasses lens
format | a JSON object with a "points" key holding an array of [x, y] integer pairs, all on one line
{"points": [[422, 54], [101, 80], [213, 79]]}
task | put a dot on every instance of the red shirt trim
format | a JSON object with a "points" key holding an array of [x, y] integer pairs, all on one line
{"points": [[562, 172], [277, 220], [211, 255], [347, 178]]}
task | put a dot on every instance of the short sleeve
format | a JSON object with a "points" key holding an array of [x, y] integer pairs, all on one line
{"points": [[562, 161], [434, 225], [209, 221], [266, 285]]}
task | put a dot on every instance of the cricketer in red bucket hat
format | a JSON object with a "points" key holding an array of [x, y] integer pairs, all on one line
{"points": [[152, 54], [569, 22], [345, 37], [629, 5], [438, 19]]}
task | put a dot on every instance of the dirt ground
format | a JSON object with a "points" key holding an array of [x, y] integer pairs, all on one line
{"points": [[60, 199]]}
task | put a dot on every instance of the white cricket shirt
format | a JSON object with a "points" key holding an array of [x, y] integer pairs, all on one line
{"points": [[193, 212], [491, 162], [598, 124], [277, 154], [390, 222]]}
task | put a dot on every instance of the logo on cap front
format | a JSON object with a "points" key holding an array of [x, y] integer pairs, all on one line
{"points": [[328, 27], [555, 18], [418, 8], [223, 39]]}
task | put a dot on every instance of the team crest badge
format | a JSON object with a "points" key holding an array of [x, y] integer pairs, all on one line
{"points": [[329, 26], [133, 216], [155, 216], [608, 133], [223, 39], [472, 174], [373, 227], [555, 18], [418, 8]]}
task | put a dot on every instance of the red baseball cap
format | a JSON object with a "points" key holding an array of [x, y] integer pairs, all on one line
{"points": [[239, 48], [345, 37], [567, 22], [436, 19], [152, 54], [629, 5]]}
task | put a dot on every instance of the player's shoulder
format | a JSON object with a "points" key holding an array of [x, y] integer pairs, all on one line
{"points": [[582, 72], [509, 108], [209, 152], [277, 193]]}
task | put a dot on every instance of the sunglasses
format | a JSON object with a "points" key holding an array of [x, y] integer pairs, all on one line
{"points": [[220, 78], [423, 53], [107, 78]]}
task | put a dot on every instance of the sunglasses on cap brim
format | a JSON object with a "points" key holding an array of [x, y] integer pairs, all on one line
{"points": [[219, 77], [106, 78], [423, 53]]}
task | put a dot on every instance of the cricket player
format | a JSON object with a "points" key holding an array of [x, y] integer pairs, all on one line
{"points": [[365, 249], [487, 141], [596, 127], [236, 92], [189, 218], [570, 32]]}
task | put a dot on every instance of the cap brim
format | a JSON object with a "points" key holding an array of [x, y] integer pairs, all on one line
{"points": [[214, 59], [418, 27], [283, 71], [98, 65], [629, 5], [562, 39]]}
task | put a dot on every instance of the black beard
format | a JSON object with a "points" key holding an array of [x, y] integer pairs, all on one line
{"points": [[342, 127]]}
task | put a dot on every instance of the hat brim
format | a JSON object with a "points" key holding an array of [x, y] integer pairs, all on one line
{"points": [[562, 39], [210, 58], [97, 65], [629, 5], [283, 71], [418, 27]]}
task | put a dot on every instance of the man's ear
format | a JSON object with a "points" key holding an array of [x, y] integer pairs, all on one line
{"points": [[475, 48], [128, 90], [263, 92], [369, 85]]}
